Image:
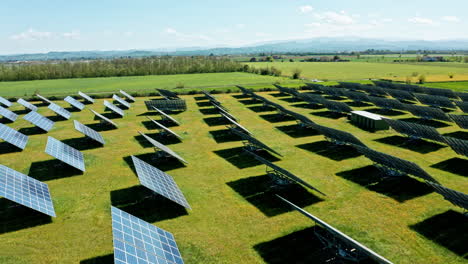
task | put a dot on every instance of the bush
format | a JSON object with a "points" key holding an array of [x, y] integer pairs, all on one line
{"points": [[180, 85], [422, 79], [415, 74], [451, 75], [297, 73]]}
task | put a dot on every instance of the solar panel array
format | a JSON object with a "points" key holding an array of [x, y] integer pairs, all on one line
{"points": [[286, 90], [113, 108], [352, 86], [13, 137], [463, 96], [336, 92], [43, 99], [121, 101], [253, 141], [164, 128], [427, 112], [224, 111], [159, 182], [440, 92], [414, 130], [338, 136], [460, 120], [40, 121], [245, 91], [236, 124], [129, 97], [5, 102], [163, 148], [65, 153], [395, 164], [313, 99], [103, 118], [356, 96], [455, 197], [93, 134], [373, 90], [25, 190], [387, 103], [463, 106], [400, 86], [75, 103], [167, 94], [284, 173], [136, 241], [27, 104], [8, 114], [400, 94], [460, 146], [336, 106], [341, 236], [315, 87], [433, 100], [166, 116], [167, 105], [59, 110], [86, 97]]}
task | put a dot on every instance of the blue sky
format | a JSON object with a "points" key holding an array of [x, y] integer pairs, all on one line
{"points": [[55, 25]]}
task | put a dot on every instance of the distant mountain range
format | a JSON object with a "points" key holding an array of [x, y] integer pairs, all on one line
{"points": [[316, 45]]}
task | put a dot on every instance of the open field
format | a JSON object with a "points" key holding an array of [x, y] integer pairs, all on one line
{"points": [[133, 84], [457, 86], [234, 218], [363, 70]]}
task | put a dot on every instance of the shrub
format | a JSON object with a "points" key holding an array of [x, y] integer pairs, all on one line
{"points": [[180, 85], [422, 78], [296, 73]]}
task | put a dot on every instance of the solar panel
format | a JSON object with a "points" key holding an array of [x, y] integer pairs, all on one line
{"points": [[463, 96], [400, 86], [13, 137], [129, 97], [253, 142], [40, 121], [5, 102], [286, 90], [167, 94], [413, 130], [27, 104], [166, 116], [460, 120], [385, 103], [65, 153], [104, 119], [394, 166], [350, 249], [43, 99], [427, 112], [463, 106], [8, 114], [313, 99], [136, 241], [208, 96], [400, 94], [282, 173], [455, 197], [159, 182], [86, 97], [435, 101], [245, 91], [301, 118], [114, 108], [89, 132], [315, 87], [224, 111], [460, 146], [338, 137], [59, 110], [163, 148], [440, 92], [373, 90], [73, 102], [121, 101], [336, 92], [352, 86], [167, 105], [25, 190], [234, 123], [169, 131], [356, 96], [336, 106]]}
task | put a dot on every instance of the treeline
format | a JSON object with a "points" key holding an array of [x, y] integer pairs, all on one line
{"points": [[117, 67]]}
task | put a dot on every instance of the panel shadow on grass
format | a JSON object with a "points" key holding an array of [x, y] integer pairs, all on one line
{"points": [[31, 131], [358, 104], [162, 163], [400, 189], [216, 121], [329, 114], [106, 259], [4, 120], [6, 148], [82, 143], [335, 98], [150, 125], [240, 96], [209, 111], [163, 139], [99, 127], [239, 158], [111, 115], [387, 112], [200, 98], [330, 150], [454, 165], [250, 102], [261, 108], [204, 104], [22, 111], [277, 118], [458, 134], [447, 229], [258, 191], [308, 106], [290, 100], [146, 204], [72, 109], [425, 122], [119, 105], [56, 118], [297, 131], [52, 169], [14, 217], [279, 94], [420, 145], [224, 135]]}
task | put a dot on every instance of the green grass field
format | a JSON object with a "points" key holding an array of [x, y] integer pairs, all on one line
{"points": [[234, 218], [457, 86], [362, 70]]}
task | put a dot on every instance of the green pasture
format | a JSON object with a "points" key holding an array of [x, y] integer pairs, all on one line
{"points": [[235, 218]]}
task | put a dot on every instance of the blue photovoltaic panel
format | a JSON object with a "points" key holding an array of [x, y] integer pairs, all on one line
{"points": [[166, 115], [103, 118], [236, 124], [42, 98], [89, 132], [163, 127], [59, 110], [128, 96], [40, 121], [163, 148], [121, 101], [65, 153], [139, 242], [74, 102], [8, 114], [5, 102], [25, 190], [114, 108], [13, 137], [86, 97], [159, 182], [27, 104]]}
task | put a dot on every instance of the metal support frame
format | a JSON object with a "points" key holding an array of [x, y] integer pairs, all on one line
{"points": [[277, 179], [389, 172]]}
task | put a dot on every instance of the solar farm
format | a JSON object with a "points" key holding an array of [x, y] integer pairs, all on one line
{"points": [[283, 176]]}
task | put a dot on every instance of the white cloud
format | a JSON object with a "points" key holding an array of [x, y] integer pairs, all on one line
{"points": [[75, 34], [450, 19], [421, 20], [306, 9], [32, 34], [335, 18]]}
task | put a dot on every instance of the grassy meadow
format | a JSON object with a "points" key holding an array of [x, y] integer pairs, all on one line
{"points": [[235, 217]]}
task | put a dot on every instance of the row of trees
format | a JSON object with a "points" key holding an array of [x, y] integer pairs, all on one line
{"points": [[117, 67]]}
